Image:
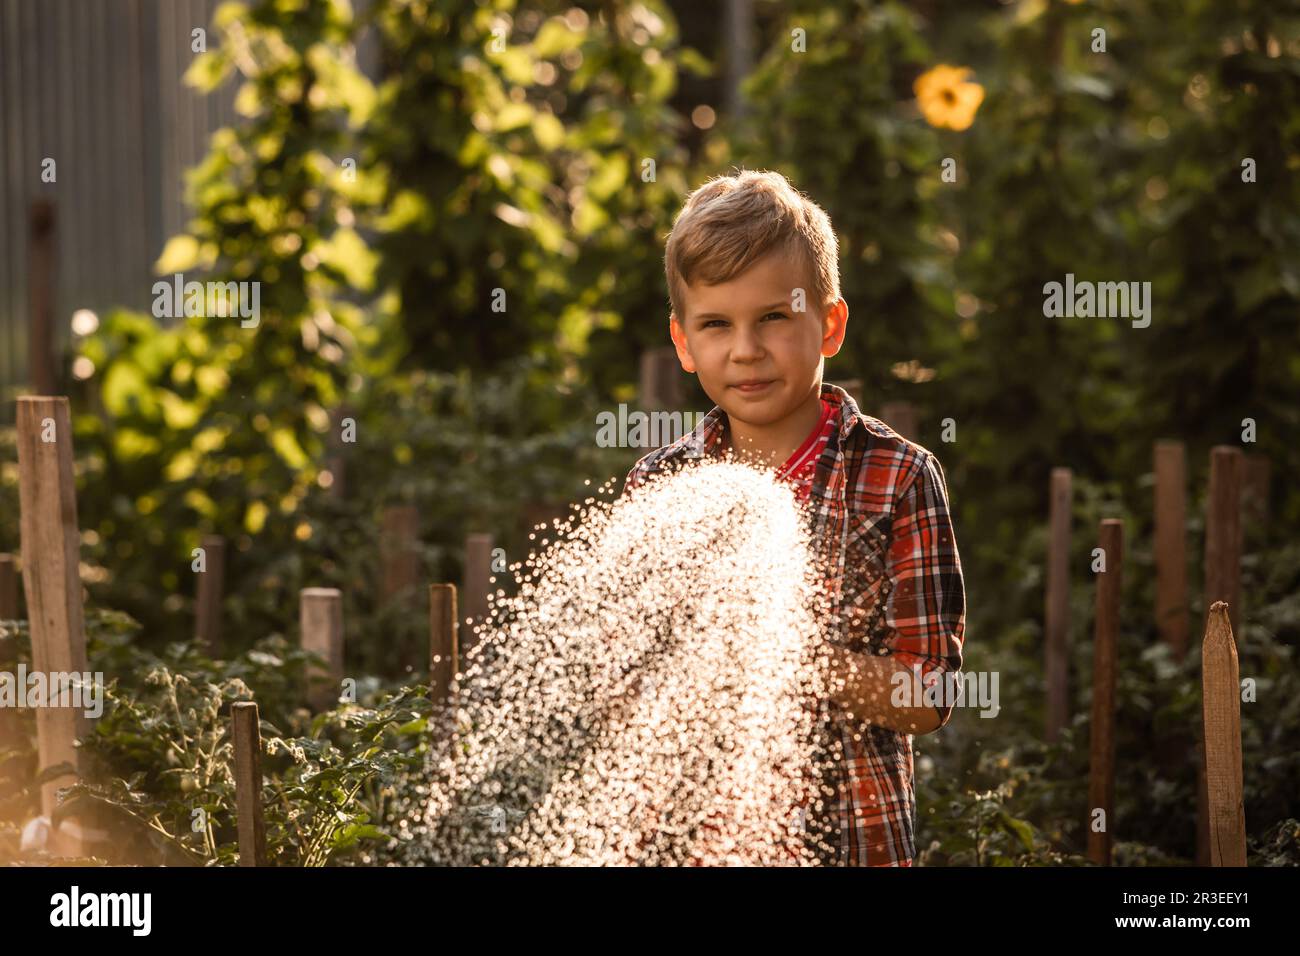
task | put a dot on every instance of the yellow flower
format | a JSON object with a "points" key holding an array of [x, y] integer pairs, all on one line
{"points": [[947, 99]]}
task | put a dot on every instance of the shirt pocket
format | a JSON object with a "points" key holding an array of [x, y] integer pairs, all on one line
{"points": [[867, 585]]}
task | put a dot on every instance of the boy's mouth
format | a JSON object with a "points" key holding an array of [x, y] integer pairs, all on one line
{"points": [[753, 386]]}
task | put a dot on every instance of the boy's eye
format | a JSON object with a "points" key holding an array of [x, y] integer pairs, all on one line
{"points": [[710, 323]]}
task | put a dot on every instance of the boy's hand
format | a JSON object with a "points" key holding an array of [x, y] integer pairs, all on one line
{"points": [[863, 685]]}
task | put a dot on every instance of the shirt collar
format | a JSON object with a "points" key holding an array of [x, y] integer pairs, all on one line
{"points": [[709, 433]]}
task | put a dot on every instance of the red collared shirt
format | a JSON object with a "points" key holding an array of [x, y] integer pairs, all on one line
{"points": [[800, 468], [879, 509]]}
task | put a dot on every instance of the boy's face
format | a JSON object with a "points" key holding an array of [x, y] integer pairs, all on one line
{"points": [[756, 357]]}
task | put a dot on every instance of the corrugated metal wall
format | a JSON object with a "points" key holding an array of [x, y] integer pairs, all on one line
{"points": [[96, 86]]}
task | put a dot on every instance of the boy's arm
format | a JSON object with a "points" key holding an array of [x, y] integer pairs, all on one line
{"points": [[925, 615]]}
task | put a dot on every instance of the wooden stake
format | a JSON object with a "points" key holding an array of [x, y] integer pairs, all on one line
{"points": [[320, 613], [400, 551], [1223, 532], [1171, 545], [478, 571], [247, 736], [1056, 663], [51, 546], [1221, 701], [207, 605], [444, 654], [1101, 778]]}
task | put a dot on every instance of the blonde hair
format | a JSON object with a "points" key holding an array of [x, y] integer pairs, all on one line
{"points": [[732, 221]]}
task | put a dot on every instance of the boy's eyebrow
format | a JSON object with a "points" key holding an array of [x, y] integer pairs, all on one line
{"points": [[781, 304]]}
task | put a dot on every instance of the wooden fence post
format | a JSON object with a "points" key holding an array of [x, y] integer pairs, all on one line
{"points": [[247, 736], [51, 546], [1222, 583], [478, 572], [320, 614], [444, 656], [207, 605], [1056, 665], [1223, 532], [1101, 777], [400, 551], [401, 574], [1171, 545], [1221, 716], [8, 588]]}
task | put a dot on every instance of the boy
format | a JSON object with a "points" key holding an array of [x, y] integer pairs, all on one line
{"points": [[753, 278]]}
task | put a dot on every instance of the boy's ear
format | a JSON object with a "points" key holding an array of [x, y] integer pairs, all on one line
{"points": [[678, 335], [834, 326]]}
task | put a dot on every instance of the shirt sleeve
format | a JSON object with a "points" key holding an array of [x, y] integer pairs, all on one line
{"points": [[926, 609]]}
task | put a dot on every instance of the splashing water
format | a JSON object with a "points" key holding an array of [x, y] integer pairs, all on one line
{"points": [[648, 695]]}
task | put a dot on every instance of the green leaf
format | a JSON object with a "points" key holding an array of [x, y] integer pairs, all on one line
{"points": [[180, 253]]}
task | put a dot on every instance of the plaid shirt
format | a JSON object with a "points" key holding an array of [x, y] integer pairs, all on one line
{"points": [[880, 512]]}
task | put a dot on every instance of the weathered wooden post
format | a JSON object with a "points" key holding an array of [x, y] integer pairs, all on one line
{"points": [[207, 605], [444, 653], [51, 545], [1171, 545], [1101, 777], [1222, 583], [478, 572], [320, 613], [401, 552], [1056, 663], [247, 736], [1221, 716], [402, 576]]}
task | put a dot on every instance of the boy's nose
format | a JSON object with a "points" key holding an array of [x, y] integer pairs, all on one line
{"points": [[746, 348]]}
